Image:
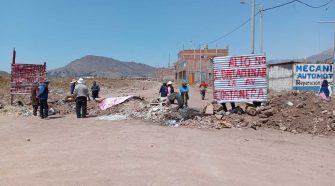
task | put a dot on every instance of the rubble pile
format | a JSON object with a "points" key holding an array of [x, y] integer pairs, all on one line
{"points": [[294, 112]]}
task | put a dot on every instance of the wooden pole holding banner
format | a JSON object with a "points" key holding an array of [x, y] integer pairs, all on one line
{"points": [[13, 63]]}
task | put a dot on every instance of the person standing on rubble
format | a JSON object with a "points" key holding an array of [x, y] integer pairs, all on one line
{"points": [[95, 90], [184, 93], [233, 107], [81, 95], [325, 91], [203, 86], [34, 98], [72, 85], [163, 90], [170, 88], [43, 93]]}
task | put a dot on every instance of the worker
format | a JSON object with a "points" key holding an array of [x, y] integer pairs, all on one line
{"points": [[81, 95], [170, 89], [184, 92], [325, 91], [72, 85], [163, 90], [95, 90], [43, 94], [203, 86], [33, 97]]}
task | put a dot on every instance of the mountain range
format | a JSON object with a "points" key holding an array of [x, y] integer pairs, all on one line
{"points": [[99, 66], [322, 57]]}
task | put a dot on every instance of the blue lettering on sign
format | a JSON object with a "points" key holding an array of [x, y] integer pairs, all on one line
{"points": [[298, 68], [313, 68], [314, 76]]}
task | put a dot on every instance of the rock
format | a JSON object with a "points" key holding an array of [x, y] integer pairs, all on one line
{"points": [[244, 124], [198, 118], [226, 124], [262, 116], [329, 128], [283, 128], [268, 113], [253, 127], [285, 115], [264, 120], [294, 131], [218, 117], [324, 112], [289, 103], [320, 119], [251, 111], [333, 112], [28, 139], [154, 109], [332, 126], [301, 105], [217, 107], [209, 109]]}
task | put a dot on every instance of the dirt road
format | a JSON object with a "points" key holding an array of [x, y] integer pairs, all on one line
{"points": [[70, 151]]}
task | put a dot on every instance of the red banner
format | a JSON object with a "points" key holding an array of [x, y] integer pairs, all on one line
{"points": [[23, 76]]}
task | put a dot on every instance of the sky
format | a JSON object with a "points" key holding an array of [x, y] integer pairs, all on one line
{"points": [[149, 31]]}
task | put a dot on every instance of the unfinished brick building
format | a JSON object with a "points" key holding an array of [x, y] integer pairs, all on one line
{"points": [[194, 65]]}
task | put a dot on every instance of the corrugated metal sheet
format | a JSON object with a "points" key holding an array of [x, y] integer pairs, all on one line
{"points": [[240, 78], [308, 77]]}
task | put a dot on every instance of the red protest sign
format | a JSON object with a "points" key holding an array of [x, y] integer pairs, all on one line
{"points": [[240, 78], [23, 76]]}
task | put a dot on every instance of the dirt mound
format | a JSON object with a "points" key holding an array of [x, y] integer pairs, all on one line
{"points": [[295, 112]]}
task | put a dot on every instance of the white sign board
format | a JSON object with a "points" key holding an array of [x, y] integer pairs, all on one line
{"points": [[240, 78], [308, 77]]}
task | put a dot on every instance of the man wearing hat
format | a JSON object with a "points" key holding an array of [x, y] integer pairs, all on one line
{"points": [[81, 95], [43, 93], [34, 98]]}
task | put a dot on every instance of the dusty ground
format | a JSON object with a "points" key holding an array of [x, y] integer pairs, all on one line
{"points": [[69, 151]]}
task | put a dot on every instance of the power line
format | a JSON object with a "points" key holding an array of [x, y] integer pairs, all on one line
{"points": [[301, 2], [267, 9]]}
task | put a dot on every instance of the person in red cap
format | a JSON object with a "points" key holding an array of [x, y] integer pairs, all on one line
{"points": [[203, 86]]}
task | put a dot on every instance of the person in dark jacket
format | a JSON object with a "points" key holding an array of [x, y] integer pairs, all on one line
{"points": [[43, 93], [325, 91], [34, 98], [72, 85], [163, 90], [170, 88], [95, 90]]}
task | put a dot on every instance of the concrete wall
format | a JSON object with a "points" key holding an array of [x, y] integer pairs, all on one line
{"points": [[280, 77]]}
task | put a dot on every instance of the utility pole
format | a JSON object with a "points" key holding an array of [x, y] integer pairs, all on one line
{"points": [[261, 27], [253, 7], [332, 22], [200, 64], [253, 26]]}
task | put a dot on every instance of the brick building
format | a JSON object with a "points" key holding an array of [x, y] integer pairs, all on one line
{"points": [[165, 74], [195, 65]]}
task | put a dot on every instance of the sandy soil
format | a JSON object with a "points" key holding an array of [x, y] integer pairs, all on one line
{"points": [[71, 151]]}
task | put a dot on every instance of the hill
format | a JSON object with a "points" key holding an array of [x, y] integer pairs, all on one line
{"points": [[322, 57], [99, 66], [4, 73]]}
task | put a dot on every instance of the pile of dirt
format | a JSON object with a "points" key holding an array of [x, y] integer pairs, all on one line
{"points": [[294, 112]]}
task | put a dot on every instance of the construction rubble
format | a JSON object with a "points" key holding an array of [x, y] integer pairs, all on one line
{"points": [[296, 112]]}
